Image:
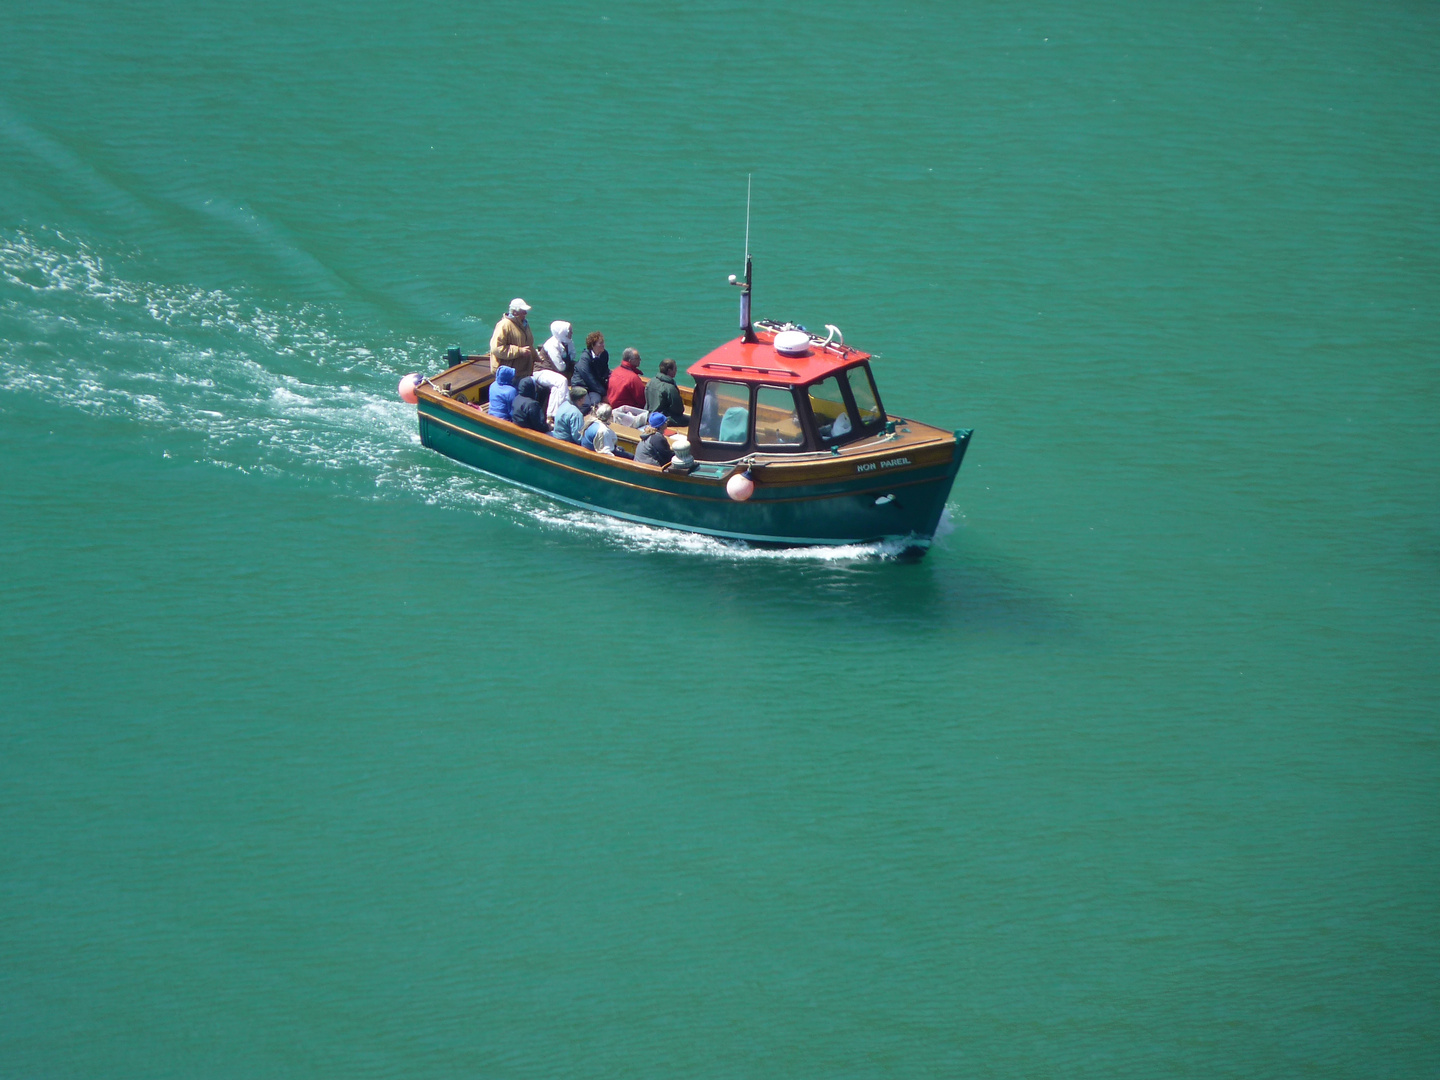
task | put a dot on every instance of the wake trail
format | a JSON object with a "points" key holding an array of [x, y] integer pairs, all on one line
{"points": [[284, 390]]}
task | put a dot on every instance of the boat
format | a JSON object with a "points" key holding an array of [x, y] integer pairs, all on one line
{"points": [[792, 443]]}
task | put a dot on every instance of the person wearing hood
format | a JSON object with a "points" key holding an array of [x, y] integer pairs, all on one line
{"points": [[662, 395], [626, 387], [569, 420], [502, 393], [526, 409], [653, 448], [553, 368], [592, 370], [512, 342]]}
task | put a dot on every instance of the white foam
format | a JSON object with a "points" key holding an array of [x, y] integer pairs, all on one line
{"points": [[255, 382]]}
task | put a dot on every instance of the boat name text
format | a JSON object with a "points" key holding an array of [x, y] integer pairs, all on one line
{"points": [[870, 466]]}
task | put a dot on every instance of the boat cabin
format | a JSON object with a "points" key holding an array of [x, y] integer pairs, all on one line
{"points": [[807, 395]]}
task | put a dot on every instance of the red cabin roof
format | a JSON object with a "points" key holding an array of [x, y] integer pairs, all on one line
{"points": [[736, 361]]}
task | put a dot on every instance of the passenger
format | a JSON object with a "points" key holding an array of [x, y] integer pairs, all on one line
{"points": [[710, 418], [502, 393], [598, 419], [626, 387], [597, 435], [512, 342], [526, 409], [592, 370], [569, 420], [682, 462], [654, 448], [662, 395], [553, 368]]}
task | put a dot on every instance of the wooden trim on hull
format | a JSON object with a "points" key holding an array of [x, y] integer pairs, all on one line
{"points": [[922, 444], [661, 491], [814, 509]]}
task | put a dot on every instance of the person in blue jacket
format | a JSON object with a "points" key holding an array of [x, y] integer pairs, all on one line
{"points": [[502, 393], [569, 420]]}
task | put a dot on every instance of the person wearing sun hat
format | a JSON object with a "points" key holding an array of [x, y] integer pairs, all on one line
{"points": [[512, 343], [653, 448]]}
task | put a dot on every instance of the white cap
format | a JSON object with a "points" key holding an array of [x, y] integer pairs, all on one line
{"points": [[519, 305]]}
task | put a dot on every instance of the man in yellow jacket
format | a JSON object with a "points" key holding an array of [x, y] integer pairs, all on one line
{"points": [[512, 344]]}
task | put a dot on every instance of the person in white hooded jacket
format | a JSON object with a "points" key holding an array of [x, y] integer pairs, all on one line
{"points": [[555, 365]]}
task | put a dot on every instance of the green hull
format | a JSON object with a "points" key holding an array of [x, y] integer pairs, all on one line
{"points": [[845, 511]]}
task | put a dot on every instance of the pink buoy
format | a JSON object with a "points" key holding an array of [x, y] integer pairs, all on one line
{"points": [[740, 486], [407, 388]]}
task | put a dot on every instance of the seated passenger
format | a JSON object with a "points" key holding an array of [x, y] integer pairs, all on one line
{"points": [[654, 448], [682, 462], [626, 387], [569, 420], [592, 370], [735, 424], [554, 365], [526, 409], [598, 419], [598, 434], [662, 395], [502, 393], [709, 418]]}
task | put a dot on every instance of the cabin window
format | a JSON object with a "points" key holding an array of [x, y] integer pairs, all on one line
{"points": [[832, 418], [862, 389], [725, 414], [777, 422]]}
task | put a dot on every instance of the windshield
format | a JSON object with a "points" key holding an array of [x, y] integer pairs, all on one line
{"points": [[777, 423], [827, 402], [862, 389], [725, 415]]}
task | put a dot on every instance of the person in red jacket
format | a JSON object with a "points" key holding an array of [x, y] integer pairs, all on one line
{"points": [[625, 385]]}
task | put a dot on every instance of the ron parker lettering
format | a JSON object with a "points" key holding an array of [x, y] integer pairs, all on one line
{"points": [[870, 466]]}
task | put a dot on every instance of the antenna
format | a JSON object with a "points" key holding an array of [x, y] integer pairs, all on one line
{"points": [[745, 326], [748, 177]]}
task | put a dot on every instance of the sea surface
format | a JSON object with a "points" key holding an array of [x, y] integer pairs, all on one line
{"points": [[322, 755]]}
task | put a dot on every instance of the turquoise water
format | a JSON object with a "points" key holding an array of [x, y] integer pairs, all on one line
{"points": [[321, 755]]}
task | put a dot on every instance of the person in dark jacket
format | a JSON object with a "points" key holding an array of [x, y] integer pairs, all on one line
{"points": [[662, 395], [502, 393], [526, 410], [626, 387], [654, 448], [592, 370]]}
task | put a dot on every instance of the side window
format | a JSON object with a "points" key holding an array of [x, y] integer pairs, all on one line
{"points": [[828, 405], [725, 414], [862, 389], [776, 421]]}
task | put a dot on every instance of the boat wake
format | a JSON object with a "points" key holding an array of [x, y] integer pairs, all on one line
{"points": [[239, 383]]}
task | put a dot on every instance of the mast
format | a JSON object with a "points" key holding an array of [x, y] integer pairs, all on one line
{"points": [[746, 328]]}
